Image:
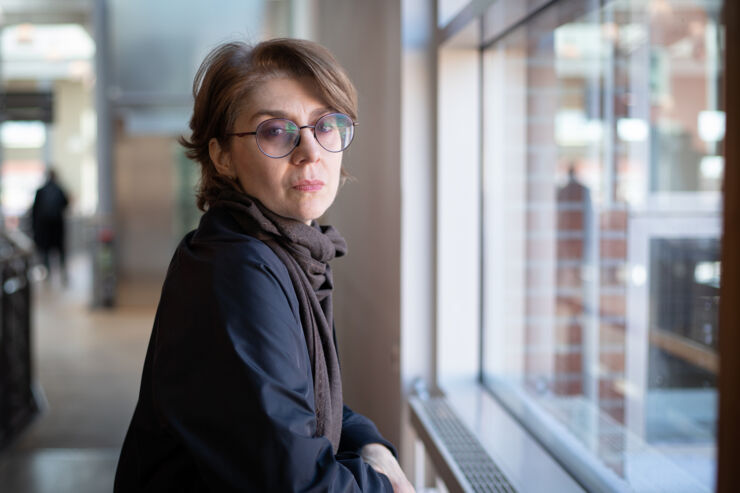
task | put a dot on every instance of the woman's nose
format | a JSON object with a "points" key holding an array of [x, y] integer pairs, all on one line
{"points": [[308, 149]]}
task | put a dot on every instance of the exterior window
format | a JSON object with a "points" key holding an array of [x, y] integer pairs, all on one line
{"points": [[602, 172]]}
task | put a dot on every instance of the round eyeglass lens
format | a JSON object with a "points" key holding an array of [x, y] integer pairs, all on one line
{"points": [[277, 137], [334, 131]]}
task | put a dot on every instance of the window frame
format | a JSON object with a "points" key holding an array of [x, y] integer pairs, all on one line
{"points": [[728, 433]]}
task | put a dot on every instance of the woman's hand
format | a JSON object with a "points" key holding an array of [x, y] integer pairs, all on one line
{"points": [[381, 459]]}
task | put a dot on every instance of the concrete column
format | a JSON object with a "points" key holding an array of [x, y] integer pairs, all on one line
{"points": [[103, 110]]}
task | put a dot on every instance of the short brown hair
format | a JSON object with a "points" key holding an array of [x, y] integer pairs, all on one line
{"points": [[227, 77]]}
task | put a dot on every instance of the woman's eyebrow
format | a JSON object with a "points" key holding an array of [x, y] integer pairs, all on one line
{"points": [[320, 111], [272, 113], [282, 114]]}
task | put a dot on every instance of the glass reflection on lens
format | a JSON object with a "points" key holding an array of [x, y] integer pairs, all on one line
{"points": [[334, 132], [277, 136]]}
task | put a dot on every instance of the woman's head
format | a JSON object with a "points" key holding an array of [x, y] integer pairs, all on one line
{"points": [[238, 87]]}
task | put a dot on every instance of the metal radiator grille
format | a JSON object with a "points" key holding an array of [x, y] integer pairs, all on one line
{"points": [[476, 465]]}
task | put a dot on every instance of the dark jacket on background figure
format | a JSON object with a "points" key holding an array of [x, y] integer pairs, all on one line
{"points": [[47, 216], [226, 400]]}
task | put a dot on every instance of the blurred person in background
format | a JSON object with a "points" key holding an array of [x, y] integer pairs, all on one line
{"points": [[47, 221], [241, 389]]}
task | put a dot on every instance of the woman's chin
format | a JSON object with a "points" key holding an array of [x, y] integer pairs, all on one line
{"points": [[310, 216], [307, 212]]}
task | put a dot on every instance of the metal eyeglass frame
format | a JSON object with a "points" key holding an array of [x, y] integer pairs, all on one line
{"points": [[298, 140]]}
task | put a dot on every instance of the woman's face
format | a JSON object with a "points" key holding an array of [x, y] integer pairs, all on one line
{"points": [[301, 185]]}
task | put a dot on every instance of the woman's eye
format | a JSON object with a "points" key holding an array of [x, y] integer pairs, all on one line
{"points": [[326, 127], [273, 131]]}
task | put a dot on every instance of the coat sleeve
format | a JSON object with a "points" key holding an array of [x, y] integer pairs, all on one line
{"points": [[232, 380], [358, 431]]}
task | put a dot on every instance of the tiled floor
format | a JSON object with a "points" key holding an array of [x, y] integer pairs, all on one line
{"points": [[88, 364]]}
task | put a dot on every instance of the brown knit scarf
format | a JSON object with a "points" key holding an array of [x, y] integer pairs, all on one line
{"points": [[305, 251]]}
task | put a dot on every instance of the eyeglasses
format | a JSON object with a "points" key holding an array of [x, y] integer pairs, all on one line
{"points": [[277, 137]]}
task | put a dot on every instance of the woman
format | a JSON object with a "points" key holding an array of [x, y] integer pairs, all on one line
{"points": [[241, 388]]}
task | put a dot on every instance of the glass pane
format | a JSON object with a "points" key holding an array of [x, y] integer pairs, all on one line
{"points": [[681, 400], [602, 177]]}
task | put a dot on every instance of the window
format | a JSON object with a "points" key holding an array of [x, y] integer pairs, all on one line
{"points": [[602, 171]]}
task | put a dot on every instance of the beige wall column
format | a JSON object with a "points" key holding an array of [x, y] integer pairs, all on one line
{"points": [[365, 37], [385, 298]]}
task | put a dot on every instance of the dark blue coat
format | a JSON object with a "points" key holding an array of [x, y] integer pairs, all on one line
{"points": [[47, 216], [226, 400]]}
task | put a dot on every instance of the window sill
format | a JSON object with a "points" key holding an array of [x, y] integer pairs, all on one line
{"points": [[526, 465]]}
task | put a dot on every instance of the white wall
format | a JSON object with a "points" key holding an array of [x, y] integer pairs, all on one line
{"points": [[458, 220], [73, 142], [418, 206]]}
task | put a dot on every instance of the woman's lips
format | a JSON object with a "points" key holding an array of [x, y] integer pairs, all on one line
{"points": [[309, 185]]}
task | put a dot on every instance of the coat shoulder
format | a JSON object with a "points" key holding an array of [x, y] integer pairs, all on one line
{"points": [[218, 264]]}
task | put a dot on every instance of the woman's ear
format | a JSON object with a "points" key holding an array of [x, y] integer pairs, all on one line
{"points": [[221, 159]]}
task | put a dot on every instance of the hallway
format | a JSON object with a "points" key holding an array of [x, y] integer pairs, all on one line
{"points": [[88, 364]]}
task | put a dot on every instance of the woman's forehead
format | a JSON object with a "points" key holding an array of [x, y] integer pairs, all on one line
{"points": [[285, 97]]}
